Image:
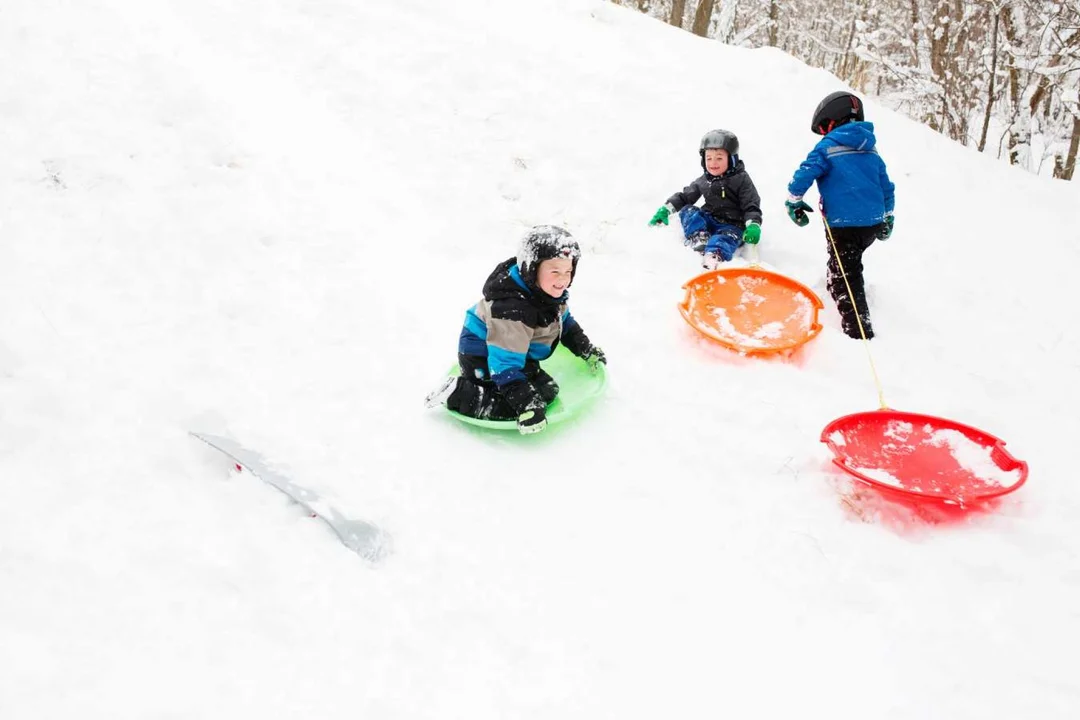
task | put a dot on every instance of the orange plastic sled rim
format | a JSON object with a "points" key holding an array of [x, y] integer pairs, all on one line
{"points": [[751, 310]]}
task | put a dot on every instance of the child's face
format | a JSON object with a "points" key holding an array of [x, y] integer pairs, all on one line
{"points": [[553, 275], [716, 161]]}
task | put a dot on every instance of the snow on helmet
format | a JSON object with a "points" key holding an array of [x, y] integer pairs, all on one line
{"points": [[720, 140], [836, 109], [545, 242]]}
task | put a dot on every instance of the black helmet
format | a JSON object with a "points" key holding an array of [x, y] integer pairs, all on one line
{"points": [[720, 140], [545, 242], [835, 110]]}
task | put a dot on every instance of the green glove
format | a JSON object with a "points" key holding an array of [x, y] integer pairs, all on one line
{"points": [[661, 216], [797, 212], [752, 234], [886, 230], [595, 359]]}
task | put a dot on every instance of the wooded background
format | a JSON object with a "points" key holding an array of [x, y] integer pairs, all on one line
{"points": [[1002, 76]]}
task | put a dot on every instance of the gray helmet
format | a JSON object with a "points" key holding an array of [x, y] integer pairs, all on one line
{"points": [[545, 242], [720, 140]]}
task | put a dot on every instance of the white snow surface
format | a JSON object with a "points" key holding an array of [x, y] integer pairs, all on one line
{"points": [[269, 218]]}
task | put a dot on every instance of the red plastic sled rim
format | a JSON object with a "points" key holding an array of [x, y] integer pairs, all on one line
{"points": [[901, 457]]}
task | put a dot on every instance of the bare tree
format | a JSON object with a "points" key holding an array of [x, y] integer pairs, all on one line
{"points": [[702, 17], [678, 13], [1069, 166], [993, 75]]}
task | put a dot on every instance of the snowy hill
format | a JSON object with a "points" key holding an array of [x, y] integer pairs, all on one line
{"points": [[271, 216]]}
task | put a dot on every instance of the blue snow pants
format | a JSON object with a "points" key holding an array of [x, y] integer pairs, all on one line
{"points": [[724, 239]]}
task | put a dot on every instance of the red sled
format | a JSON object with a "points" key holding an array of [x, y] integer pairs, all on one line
{"points": [[924, 458]]}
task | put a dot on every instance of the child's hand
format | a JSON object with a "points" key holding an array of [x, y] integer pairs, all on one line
{"points": [[797, 212], [595, 359], [532, 421], [661, 216], [752, 234], [887, 228]]}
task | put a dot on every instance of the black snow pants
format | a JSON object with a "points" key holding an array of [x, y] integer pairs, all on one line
{"points": [[851, 243], [476, 395]]}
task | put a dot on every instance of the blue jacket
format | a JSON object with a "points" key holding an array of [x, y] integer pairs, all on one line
{"points": [[854, 186]]}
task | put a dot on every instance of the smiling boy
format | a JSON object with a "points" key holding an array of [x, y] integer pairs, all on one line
{"points": [[731, 213], [521, 319]]}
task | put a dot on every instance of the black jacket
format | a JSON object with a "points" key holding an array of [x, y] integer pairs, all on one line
{"points": [[730, 198]]}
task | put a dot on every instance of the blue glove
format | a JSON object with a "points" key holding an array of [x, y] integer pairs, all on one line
{"points": [[887, 228], [797, 210]]}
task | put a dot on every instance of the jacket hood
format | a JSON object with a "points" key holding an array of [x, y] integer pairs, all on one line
{"points": [[859, 135], [506, 281]]}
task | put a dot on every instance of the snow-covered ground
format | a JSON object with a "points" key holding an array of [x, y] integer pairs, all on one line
{"points": [[269, 217]]}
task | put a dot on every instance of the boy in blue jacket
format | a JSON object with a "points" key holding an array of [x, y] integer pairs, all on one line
{"points": [[520, 320], [857, 199]]}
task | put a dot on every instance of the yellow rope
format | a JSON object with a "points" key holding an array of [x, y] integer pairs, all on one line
{"points": [[858, 315], [755, 260]]}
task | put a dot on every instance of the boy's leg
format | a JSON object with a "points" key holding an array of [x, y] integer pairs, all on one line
{"points": [[479, 400], [545, 386], [724, 241], [476, 395], [851, 243], [439, 395], [696, 227]]}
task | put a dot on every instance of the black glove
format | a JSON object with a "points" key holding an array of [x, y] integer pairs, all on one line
{"points": [[532, 421], [528, 405], [595, 358]]}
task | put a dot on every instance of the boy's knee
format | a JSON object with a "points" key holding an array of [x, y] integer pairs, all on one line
{"points": [[546, 388], [692, 220], [723, 245]]}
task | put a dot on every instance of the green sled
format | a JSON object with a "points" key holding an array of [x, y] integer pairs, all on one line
{"points": [[578, 387]]}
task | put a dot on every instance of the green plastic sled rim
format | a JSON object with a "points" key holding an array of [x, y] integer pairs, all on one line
{"points": [[578, 387]]}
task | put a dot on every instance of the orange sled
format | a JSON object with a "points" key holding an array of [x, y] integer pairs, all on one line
{"points": [[751, 310]]}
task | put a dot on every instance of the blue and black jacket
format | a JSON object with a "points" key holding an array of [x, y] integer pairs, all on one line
{"points": [[854, 185], [513, 328]]}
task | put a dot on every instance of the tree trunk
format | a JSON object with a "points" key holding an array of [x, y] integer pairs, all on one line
{"points": [[703, 17], [990, 89], [774, 21], [1008, 26], [678, 13], [914, 33], [1074, 145]]}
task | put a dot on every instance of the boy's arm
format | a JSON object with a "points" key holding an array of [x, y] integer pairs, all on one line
{"points": [[688, 196], [814, 166], [888, 189], [749, 201], [574, 338]]}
